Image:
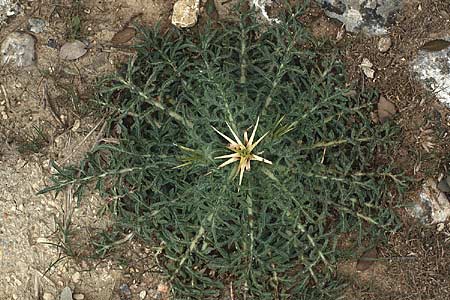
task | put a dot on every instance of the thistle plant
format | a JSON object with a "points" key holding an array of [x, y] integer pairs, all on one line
{"points": [[272, 234]]}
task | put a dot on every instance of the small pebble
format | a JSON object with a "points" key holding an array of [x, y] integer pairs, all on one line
{"points": [[36, 25], [125, 292], [384, 44], [48, 296], [76, 277], [52, 43], [163, 288], [142, 295], [78, 296]]}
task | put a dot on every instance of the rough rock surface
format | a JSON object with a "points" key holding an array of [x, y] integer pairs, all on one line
{"points": [[434, 205], [261, 6], [433, 69], [185, 13], [18, 49], [36, 25], [8, 8], [370, 16]]}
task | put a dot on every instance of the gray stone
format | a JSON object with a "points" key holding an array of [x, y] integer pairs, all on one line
{"points": [[433, 69], [124, 292], [66, 294], [443, 185], [433, 206], [36, 25], [370, 16], [18, 49]]}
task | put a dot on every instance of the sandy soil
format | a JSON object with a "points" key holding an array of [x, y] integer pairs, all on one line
{"points": [[52, 96]]}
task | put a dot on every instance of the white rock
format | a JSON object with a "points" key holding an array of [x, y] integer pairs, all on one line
{"points": [[142, 295], [18, 48], [260, 5], [78, 296], [366, 66], [433, 69], [48, 296], [384, 44], [76, 277], [185, 13]]}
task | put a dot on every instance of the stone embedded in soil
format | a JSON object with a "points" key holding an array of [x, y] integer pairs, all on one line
{"points": [[367, 69], [444, 185], [124, 292], [52, 43], [18, 49], [66, 294], [434, 205], [384, 44], [78, 296], [261, 7], [8, 8], [76, 277], [36, 25], [433, 69], [48, 296], [185, 13], [227, 9], [142, 295], [370, 16]]}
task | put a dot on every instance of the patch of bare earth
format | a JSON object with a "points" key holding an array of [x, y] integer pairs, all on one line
{"points": [[46, 115]]}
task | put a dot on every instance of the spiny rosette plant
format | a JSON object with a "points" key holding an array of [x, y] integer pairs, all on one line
{"points": [[188, 100]]}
